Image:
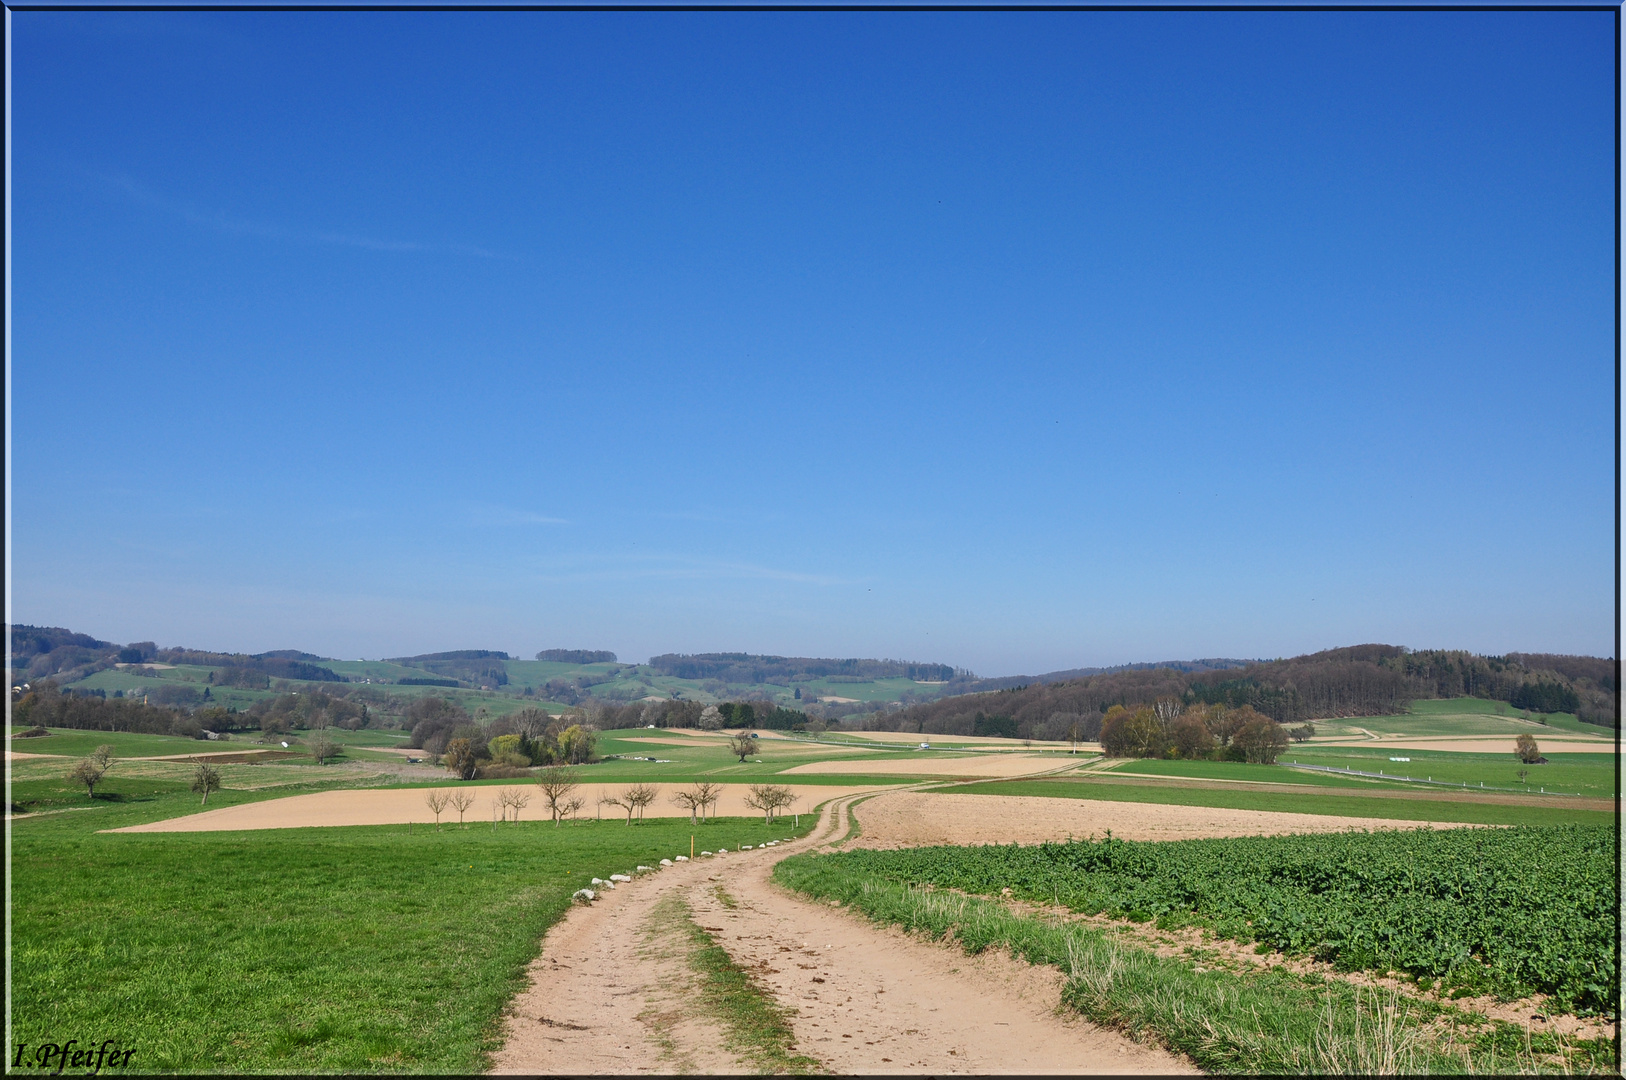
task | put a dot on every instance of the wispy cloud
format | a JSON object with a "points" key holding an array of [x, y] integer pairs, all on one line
{"points": [[634, 567], [225, 223], [488, 515]]}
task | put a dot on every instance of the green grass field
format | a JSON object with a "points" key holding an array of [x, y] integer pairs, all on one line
{"points": [[345, 949], [1313, 801], [1581, 774], [1466, 716]]}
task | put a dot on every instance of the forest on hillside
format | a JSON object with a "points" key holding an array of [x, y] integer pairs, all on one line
{"points": [[1362, 680], [783, 670]]}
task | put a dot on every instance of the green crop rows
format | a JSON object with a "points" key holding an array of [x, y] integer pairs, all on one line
{"points": [[1503, 910]]}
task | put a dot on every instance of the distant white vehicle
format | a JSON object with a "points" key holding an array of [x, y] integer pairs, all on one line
{"points": [[285, 746], [925, 746]]}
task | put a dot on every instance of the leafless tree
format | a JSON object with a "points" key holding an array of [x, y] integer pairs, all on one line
{"points": [[708, 794], [640, 796], [690, 801], [556, 784], [205, 778], [88, 773], [462, 802], [570, 806], [768, 798], [323, 747], [742, 745], [519, 800], [436, 799]]}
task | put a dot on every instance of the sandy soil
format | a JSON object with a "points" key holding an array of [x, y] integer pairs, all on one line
{"points": [[397, 806], [928, 763], [1481, 744], [12, 755], [910, 819], [867, 999]]}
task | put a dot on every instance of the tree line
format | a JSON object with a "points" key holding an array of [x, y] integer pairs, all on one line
{"points": [[751, 668], [1366, 680]]}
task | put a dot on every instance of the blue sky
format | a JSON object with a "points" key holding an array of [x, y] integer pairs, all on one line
{"points": [[1013, 341]]}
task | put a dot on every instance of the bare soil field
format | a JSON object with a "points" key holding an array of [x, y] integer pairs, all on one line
{"points": [[866, 999], [913, 819], [398, 806], [926, 764]]}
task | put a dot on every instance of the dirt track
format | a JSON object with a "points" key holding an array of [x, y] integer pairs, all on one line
{"points": [[867, 999]]}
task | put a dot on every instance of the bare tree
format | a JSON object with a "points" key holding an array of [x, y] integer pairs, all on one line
{"points": [[323, 747], [624, 801], [436, 799], [519, 800], [461, 758], [462, 801], [640, 796], [768, 798], [708, 793], [205, 778], [556, 784], [103, 756], [88, 772], [690, 800], [571, 805], [742, 745]]}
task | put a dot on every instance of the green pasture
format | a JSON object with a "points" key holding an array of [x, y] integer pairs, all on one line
{"points": [[358, 949], [1591, 775], [1582, 774], [1464, 716], [1233, 771], [1378, 804]]}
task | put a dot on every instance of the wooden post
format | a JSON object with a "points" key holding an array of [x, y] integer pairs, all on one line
{"points": [[691, 846]]}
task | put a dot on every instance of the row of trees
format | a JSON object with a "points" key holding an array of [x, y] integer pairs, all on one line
{"points": [[558, 787], [1171, 729]]}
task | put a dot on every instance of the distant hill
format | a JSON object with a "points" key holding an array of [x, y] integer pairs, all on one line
{"points": [[1005, 682], [751, 668], [576, 656], [1360, 680]]}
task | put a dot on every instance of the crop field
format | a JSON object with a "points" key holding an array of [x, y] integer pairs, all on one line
{"points": [[1572, 774], [1378, 803], [1512, 911], [348, 949], [1464, 716]]}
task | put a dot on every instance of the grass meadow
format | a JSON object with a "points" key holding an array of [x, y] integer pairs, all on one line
{"points": [[366, 949]]}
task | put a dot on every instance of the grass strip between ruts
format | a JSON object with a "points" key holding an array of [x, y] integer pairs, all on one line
{"points": [[1275, 1021], [757, 1028]]}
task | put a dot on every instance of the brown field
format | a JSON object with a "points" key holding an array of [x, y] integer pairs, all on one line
{"points": [[397, 806], [914, 818]]}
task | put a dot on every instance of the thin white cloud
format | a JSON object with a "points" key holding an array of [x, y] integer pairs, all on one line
{"points": [[677, 568], [225, 223], [488, 515]]}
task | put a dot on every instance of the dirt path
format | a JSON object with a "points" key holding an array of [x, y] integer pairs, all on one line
{"points": [[604, 997]]}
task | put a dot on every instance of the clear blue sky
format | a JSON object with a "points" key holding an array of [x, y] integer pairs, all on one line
{"points": [[1014, 341]]}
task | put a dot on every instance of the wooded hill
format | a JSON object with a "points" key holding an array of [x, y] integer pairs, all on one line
{"points": [[1363, 680], [749, 668]]}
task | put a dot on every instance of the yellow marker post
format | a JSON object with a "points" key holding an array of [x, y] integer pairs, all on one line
{"points": [[691, 846]]}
